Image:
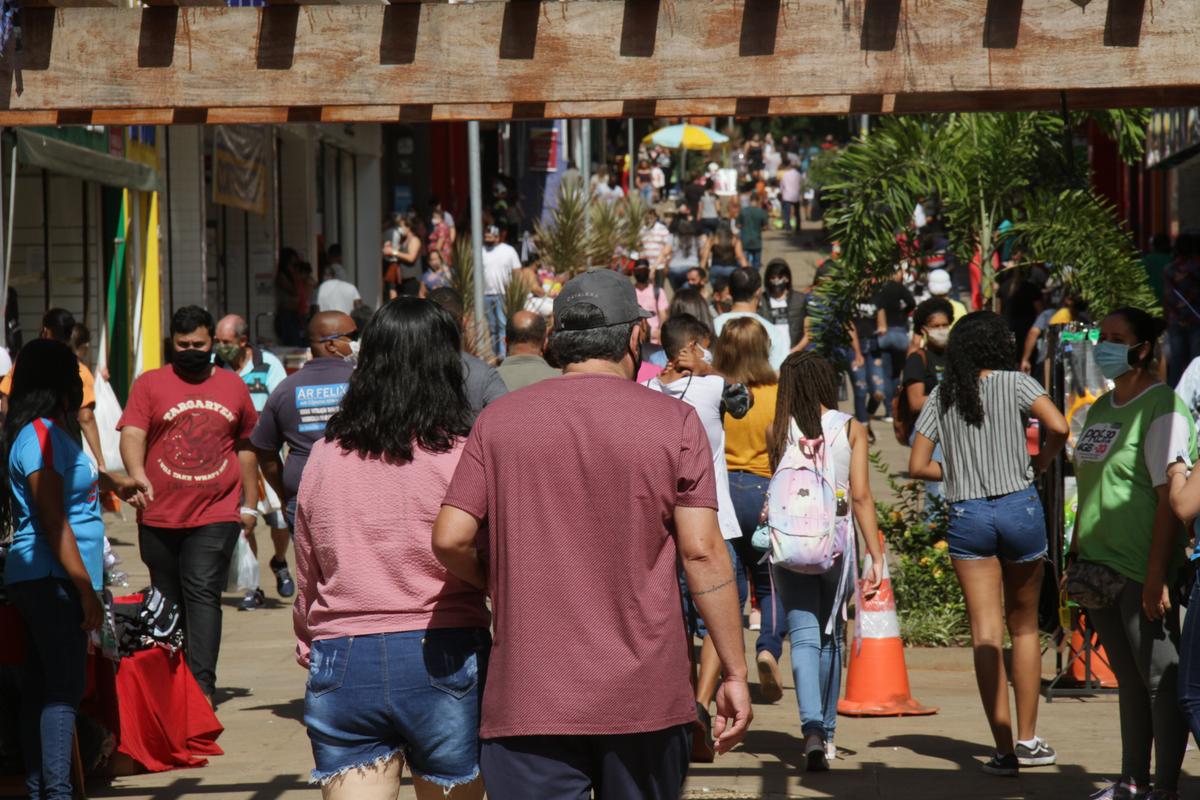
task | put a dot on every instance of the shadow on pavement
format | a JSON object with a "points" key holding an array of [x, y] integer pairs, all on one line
{"points": [[968, 755], [196, 787], [292, 709]]}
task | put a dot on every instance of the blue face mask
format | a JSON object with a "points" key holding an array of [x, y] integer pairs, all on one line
{"points": [[1112, 358]]}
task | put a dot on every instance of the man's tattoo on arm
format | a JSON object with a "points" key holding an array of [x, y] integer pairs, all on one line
{"points": [[712, 588]]}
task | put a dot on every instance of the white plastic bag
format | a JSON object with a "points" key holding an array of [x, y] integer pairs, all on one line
{"points": [[243, 567], [108, 413]]}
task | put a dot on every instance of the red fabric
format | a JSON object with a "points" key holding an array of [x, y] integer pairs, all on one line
{"points": [[578, 510], [191, 431], [165, 721]]}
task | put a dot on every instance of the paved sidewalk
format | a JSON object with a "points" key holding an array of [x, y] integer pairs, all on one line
{"points": [[268, 757]]}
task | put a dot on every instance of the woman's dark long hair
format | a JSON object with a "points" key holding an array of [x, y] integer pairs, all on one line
{"points": [[46, 383], [690, 300], [407, 390], [980, 340], [806, 382]]}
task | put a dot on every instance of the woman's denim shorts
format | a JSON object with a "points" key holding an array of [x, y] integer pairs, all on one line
{"points": [[1011, 527], [416, 692]]}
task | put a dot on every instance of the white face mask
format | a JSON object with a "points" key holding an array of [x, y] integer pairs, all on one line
{"points": [[938, 337], [352, 359], [707, 355]]}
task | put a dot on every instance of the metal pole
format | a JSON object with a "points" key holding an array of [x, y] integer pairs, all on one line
{"points": [[476, 189], [632, 157], [8, 245], [585, 154]]}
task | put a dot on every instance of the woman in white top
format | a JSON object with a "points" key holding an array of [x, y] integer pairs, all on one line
{"points": [[806, 406]]}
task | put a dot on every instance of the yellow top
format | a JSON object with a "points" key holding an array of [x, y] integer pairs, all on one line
{"points": [[746, 438], [1061, 317]]}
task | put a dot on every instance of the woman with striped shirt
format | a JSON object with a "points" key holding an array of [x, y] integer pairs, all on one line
{"points": [[997, 533]]}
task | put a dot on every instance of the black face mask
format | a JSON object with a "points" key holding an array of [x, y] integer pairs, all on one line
{"points": [[191, 362]]}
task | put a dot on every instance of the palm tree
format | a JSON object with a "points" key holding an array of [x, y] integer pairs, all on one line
{"points": [[984, 169]]}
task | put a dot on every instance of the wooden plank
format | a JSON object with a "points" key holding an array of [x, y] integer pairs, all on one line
{"points": [[70, 3], [532, 56]]}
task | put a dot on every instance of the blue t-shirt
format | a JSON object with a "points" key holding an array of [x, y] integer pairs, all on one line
{"points": [[262, 380], [39, 445]]}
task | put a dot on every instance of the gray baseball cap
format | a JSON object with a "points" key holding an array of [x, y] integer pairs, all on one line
{"points": [[605, 289]]}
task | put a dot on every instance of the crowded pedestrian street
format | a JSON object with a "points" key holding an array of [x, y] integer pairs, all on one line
{"points": [[599, 400], [266, 752]]}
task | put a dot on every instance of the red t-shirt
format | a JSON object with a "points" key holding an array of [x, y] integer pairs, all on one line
{"points": [[578, 479], [191, 429]]}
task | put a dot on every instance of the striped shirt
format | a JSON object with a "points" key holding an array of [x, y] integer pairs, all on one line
{"points": [[990, 460]]}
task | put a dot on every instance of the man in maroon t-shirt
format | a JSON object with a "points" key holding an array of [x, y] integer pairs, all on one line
{"points": [[186, 431], [587, 685]]}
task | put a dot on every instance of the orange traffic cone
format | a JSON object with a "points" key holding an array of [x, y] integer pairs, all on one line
{"points": [[877, 679], [1099, 661]]}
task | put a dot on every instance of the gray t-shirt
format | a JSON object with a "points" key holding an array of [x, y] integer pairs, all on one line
{"points": [[990, 460], [482, 384], [296, 413]]}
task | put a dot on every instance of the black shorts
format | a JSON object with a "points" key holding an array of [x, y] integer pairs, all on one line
{"points": [[649, 766]]}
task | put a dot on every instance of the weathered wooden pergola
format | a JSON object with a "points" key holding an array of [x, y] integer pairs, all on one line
{"points": [[196, 61]]}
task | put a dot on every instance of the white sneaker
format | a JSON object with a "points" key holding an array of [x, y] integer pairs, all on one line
{"points": [[831, 751]]}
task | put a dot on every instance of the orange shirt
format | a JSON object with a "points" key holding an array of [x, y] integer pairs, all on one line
{"points": [[85, 375]]}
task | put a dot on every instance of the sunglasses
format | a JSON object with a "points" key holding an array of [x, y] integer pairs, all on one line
{"points": [[352, 336]]}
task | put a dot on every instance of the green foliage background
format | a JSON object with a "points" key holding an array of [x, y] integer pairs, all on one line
{"points": [[984, 169]]}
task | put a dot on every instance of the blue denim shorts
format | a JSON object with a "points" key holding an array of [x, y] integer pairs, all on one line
{"points": [[416, 692], [1011, 527]]}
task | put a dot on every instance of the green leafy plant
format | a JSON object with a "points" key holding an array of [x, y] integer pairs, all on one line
{"points": [[982, 169], [516, 294], [563, 241], [929, 600], [476, 338]]}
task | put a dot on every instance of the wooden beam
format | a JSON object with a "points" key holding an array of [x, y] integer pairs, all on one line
{"points": [[601, 58], [444, 112]]}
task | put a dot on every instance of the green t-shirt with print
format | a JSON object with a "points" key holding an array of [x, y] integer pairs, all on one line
{"points": [[1120, 457]]}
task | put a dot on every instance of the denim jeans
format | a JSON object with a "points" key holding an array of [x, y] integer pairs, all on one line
{"points": [[869, 379], [808, 602], [790, 211], [753, 258], [52, 682], [190, 567], [1011, 527], [493, 305], [721, 271], [893, 349], [1183, 345], [413, 692], [748, 492]]}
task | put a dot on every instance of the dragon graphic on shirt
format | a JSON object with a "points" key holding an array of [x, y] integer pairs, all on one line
{"points": [[192, 446]]}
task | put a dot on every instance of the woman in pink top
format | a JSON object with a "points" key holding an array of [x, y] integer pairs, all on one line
{"points": [[396, 647]]}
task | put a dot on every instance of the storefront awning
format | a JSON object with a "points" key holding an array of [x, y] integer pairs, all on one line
{"points": [[38, 150]]}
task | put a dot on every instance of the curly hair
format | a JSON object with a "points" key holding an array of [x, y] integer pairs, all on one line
{"points": [[407, 390], [806, 382], [980, 341]]}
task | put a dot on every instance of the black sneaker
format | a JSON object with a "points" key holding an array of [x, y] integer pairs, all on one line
{"points": [[1040, 755], [1006, 765], [252, 601], [815, 755], [284, 584]]}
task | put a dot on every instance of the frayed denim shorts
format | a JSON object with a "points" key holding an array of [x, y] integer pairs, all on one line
{"points": [[415, 693], [1011, 527]]}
